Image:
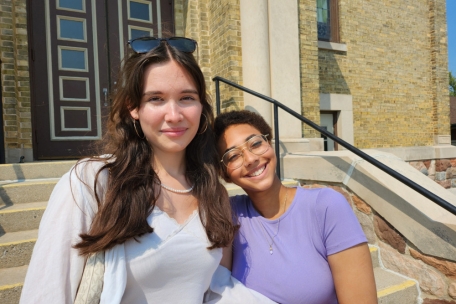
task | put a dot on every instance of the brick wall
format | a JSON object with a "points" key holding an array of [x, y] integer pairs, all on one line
{"points": [[179, 20], [216, 27], [226, 50], [15, 78], [395, 69]]}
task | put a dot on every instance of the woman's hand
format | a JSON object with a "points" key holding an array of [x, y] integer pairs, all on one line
{"points": [[353, 275]]}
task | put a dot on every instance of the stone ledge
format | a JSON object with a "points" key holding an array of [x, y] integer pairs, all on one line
{"points": [[332, 46], [420, 153], [299, 145], [429, 227]]}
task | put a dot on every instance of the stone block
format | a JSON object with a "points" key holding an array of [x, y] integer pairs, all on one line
{"points": [[442, 165], [453, 171], [427, 163], [361, 205], [418, 165], [446, 267], [445, 183], [452, 290], [440, 176], [366, 224], [387, 234], [450, 172], [453, 162], [430, 280]]}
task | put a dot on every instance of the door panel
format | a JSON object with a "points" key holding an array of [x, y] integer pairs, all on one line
{"points": [[76, 50]]}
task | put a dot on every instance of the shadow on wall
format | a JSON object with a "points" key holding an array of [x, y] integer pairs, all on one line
{"points": [[331, 78]]}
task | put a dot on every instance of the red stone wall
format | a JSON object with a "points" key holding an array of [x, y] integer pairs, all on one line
{"points": [[442, 171], [436, 276]]}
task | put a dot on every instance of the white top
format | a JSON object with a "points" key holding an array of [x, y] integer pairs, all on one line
{"points": [[171, 265]]}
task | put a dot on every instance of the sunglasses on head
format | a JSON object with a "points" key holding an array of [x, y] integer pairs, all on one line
{"points": [[145, 44]]}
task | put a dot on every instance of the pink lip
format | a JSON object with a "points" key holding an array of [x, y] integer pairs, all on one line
{"points": [[173, 132]]}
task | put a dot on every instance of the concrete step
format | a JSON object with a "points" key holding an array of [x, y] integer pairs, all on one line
{"points": [[35, 170], [21, 216], [11, 281], [374, 255], [16, 248], [393, 289], [21, 192]]}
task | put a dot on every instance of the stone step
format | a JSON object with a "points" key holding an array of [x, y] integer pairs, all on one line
{"points": [[393, 288], [35, 170], [374, 255], [28, 191], [11, 282], [16, 248], [21, 217]]}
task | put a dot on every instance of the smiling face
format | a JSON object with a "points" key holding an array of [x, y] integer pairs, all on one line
{"points": [[257, 173], [170, 108]]}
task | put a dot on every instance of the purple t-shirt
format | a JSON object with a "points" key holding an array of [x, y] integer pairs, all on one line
{"points": [[318, 223]]}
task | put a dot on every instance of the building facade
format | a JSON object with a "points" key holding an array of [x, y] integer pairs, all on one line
{"points": [[375, 73]]}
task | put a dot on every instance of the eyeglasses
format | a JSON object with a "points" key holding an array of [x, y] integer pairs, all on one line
{"points": [[234, 158], [145, 44]]}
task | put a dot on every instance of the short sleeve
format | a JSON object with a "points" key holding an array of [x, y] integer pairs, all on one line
{"points": [[339, 226]]}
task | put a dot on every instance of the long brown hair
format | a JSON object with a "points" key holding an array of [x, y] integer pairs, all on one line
{"points": [[131, 195]]}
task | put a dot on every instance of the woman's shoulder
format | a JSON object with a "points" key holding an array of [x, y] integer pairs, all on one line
{"points": [[321, 195], [90, 167], [322, 200]]}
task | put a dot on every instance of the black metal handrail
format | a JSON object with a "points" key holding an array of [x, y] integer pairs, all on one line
{"points": [[426, 193]]}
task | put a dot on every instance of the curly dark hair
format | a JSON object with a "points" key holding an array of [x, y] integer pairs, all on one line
{"points": [[240, 117], [131, 196]]}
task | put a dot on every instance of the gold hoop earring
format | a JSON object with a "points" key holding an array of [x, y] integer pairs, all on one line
{"points": [[205, 127], [136, 130]]}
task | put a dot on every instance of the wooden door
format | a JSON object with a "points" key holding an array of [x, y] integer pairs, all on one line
{"points": [[76, 50]]}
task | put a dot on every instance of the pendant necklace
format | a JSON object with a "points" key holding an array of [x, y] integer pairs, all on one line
{"points": [[175, 190], [278, 226]]}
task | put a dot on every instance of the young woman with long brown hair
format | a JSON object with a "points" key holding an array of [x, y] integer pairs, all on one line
{"points": [[152, 203]]}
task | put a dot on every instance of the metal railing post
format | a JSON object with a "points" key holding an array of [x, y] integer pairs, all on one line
{"points": [[277, 141], [217, 96]]}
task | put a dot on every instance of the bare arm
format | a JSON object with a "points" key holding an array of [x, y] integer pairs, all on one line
{"points": [[227, 257], [353, 275]]}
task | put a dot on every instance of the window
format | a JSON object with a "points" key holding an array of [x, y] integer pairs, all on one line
{"points": [[328, 20]]}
